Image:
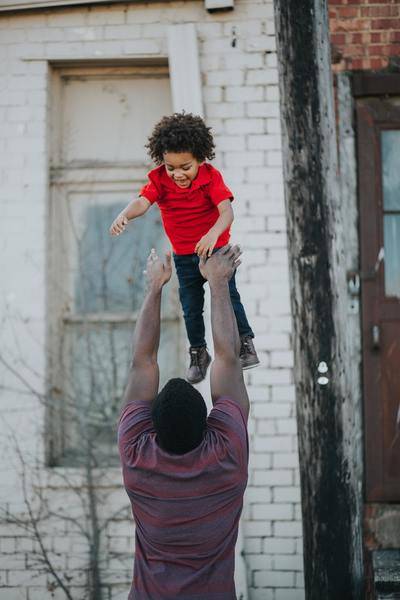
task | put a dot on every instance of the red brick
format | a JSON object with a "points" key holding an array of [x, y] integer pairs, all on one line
{"points": [[350, 25], [376, 37], [357, 64], [378, 50], [394, 36], [347, 11], [339, 39], [362, 25], [385, 37], [356, 38], [353, 51], [381, 11], [385, 24], [394, 50], [378, 63], [379, 23], [340, 25]]}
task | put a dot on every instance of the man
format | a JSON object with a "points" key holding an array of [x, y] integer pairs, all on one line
{"points": [[184, 473]]}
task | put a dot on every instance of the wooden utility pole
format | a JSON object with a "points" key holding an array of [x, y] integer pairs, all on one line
{"points": [[331, 492]]}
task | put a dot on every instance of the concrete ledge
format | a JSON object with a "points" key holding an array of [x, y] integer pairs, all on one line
{"points": [[386, 568]]}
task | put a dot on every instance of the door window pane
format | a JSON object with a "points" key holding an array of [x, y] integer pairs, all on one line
{"points": [[391, 227], [106, 271], [96, 360], [108, 119], [390, 149], [390, 144]]}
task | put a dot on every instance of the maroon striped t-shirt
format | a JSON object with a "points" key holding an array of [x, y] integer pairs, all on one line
{"points": [[186, 507]]}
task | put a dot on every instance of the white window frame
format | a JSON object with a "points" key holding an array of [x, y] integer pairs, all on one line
{"points": [[23, 5], [121, 178]]}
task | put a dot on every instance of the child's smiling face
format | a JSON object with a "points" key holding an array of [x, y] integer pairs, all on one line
{"points": [[182, 167]]}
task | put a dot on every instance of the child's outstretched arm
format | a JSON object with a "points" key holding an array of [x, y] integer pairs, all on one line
{"points": [[135, 208], [205, 245]]}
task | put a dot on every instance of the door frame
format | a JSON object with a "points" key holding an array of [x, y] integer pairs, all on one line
{"points": [[369, 91]]}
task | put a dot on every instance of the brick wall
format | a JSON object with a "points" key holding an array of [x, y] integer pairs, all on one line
{"points": [[240, 91], [364, 34]]}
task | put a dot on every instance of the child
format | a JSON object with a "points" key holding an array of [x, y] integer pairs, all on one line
{"points": [[195, 206]]}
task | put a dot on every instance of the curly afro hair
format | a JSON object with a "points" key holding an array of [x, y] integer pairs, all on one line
{"points": [[181, 132], [179, 416]]}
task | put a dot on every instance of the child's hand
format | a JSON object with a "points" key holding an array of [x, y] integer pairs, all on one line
{"points": [[205, 245], [119, 225]]}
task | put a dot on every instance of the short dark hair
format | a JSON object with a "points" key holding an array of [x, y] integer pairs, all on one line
{"points": [[181, 132], [179, 416]]}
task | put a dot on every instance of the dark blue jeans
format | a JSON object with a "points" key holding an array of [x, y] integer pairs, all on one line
{"points": [[191, 294]]}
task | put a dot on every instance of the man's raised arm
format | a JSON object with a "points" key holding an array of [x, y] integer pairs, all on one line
{"points": [[226, 370], [143, 375]]}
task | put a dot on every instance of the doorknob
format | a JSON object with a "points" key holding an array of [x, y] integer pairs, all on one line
{"points": [[376, 337]]}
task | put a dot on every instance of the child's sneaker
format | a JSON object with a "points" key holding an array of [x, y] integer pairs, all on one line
{"points": [[199, 361], [248, 355]]}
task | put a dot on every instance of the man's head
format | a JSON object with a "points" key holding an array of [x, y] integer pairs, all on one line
{"points": [[179, 416]]}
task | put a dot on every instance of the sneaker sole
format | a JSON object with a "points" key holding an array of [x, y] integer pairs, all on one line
{"points": [[195, 382], [247, 367]]}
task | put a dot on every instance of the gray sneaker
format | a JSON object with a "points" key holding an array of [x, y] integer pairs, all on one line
{"points": [[199, 362], [248, 355]]}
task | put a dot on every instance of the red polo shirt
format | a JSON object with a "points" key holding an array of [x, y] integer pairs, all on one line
{"points": [[188, 213]]}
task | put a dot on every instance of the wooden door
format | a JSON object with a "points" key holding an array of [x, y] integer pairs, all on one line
{"points": [[378, 131]]}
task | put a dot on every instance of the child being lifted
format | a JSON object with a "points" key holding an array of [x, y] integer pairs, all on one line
{"points": [[196, 211]]}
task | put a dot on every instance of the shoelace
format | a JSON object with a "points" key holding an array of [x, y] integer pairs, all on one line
{"points": [[194, 358], [245, 347]]}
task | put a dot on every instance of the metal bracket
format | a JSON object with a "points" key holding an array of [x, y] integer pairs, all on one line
{"points": [[353, 283], [376, 337], [353, 288]]}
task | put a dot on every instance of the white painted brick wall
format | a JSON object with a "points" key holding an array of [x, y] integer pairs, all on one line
{"points": [[241, 99]]}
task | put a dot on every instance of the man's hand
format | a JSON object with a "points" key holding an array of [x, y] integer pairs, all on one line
{"points": [[221, 265], [119, 225], [205, 245], [157, 272]]}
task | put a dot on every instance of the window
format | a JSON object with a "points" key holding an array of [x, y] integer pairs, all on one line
{"points": [[100, 121]]}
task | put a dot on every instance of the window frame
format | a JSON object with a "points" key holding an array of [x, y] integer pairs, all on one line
{"points": [[73, 178], [30, 5]]}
